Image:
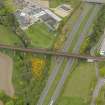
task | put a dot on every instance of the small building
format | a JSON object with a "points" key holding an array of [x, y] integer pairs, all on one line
{"points": [[63, 10]]}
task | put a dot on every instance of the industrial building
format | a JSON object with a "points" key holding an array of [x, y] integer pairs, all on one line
{"points": [[33, 13]]}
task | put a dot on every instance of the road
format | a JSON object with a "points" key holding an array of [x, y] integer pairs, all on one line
{"points": [[59, 61], [99, 85], [68, 67]]}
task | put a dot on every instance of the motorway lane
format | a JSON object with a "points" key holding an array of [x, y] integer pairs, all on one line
{"points": [[75, 29], [75, 50], [87, 26], [60, 60], [100, 84]]}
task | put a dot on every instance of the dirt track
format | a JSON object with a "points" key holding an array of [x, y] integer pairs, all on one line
{"points": [[1, 103], [6, 67]]}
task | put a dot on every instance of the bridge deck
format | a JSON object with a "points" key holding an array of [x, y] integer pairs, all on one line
{"points": [[44, 51]]}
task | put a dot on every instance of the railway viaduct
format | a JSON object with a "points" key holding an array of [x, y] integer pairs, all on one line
{"points": [[52, 53]]}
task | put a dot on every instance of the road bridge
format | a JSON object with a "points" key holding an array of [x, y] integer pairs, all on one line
{"points": [[95, 1], [53, 53]]}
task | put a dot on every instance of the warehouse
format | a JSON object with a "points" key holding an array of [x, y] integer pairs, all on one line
{"points": [[51, 19]]}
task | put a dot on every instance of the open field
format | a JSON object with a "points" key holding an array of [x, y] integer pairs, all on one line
{"points": [[79, 85], [6, 67], [7, 36], [55, 3], [41, 36]]}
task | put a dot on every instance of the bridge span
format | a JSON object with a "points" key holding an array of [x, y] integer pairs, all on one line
{"points": [[95, 1], [53, 53]]}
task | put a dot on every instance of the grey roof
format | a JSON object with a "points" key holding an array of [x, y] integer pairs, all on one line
{"points": [[49, 20], [65, 8], [24, 21]]}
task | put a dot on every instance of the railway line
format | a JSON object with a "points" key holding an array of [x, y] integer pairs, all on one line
{"points": [[52, 53]]}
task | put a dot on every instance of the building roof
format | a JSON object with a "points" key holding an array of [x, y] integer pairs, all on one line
{"points": [[49, 20], [53, 15]]}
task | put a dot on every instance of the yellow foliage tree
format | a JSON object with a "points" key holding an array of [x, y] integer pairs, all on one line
{"points": [[37, 67]]}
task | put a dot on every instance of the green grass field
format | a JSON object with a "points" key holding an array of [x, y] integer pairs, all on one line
{"points": [[7, 36], [40, 35], [55, 3], [78, 87]]}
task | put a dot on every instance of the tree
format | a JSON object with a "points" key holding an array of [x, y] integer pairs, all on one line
{"points": [[9, 103]]}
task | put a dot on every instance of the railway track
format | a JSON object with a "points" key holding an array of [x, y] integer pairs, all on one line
{"points": [[52, 53]]}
